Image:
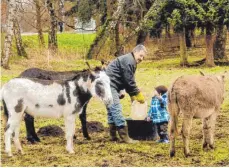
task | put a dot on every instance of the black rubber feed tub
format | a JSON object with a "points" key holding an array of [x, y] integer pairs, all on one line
{"points": [[140, 129]]}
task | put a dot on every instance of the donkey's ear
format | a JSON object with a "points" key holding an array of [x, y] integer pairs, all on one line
{"points": [[89, 67], [225, 75], [104, 64], [93, 76], [202, 73], [102, 61]]}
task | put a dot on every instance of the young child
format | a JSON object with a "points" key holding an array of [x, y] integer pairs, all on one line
{"points": [[158, 113]]}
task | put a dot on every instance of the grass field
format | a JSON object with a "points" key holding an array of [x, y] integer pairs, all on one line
{"points": [[100, 151]]}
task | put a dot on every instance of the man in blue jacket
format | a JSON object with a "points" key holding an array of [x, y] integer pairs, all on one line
{"points": [[121, 72]]}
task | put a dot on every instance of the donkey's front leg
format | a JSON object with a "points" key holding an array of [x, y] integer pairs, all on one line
{"points": [[83, 119], [69, 131], [16, 140]]}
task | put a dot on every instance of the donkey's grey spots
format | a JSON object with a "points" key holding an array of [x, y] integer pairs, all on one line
{"points": [[7, 127], [61, 100], [68, 92], [19, 106], [13, 134], [77, 108], [99, 89]]}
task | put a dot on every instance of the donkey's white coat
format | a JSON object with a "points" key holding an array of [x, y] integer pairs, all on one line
{"points": [[41, 100]]}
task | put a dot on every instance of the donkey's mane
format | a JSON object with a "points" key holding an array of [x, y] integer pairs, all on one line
{"points": [[85, 73], [75, 74]]}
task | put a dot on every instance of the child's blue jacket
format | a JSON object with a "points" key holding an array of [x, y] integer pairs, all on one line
{"points": [[158, 109]]}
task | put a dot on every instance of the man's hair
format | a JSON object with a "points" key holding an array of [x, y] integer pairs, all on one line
{"points": [[139, 47]]}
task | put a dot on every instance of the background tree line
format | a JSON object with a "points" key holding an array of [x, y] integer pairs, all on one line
{"points": [[140, 18]]}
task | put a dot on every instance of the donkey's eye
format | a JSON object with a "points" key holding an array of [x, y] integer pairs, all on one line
{"points": [[99, 84]]}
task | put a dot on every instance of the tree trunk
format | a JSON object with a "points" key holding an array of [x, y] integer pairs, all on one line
{"points": [[107, 29], [38, 26], [188, 40], [142, 34], [202, 31], [209, 47], [167, 31], [98, 42], [119, 50], [220, 43], [52, 37], [61, 15], [104, 16], [9, 34], [95, 47], [143, 22], [17, 34], [183, 55]]}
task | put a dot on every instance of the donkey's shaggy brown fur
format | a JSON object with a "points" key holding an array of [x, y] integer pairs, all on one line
{"points": [[199, 97]]}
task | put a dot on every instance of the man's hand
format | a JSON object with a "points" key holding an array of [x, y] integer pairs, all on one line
{"points": [[140, 98], [133, 98], [148, 119]]}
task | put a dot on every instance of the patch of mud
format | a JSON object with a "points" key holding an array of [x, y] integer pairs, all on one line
{"points": [[223, 163], [94, 126], [51, 130]]}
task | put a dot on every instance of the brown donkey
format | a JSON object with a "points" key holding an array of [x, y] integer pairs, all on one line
{"points": [[195, 96]]}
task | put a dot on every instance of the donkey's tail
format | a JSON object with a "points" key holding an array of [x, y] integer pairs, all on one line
{"points": [[173, 109], [6, 112], [1, 93]]}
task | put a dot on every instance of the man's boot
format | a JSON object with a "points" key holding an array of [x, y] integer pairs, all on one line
{"points": [[123, 133], [113, 135]]}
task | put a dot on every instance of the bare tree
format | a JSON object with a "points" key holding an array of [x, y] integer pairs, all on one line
{"points": [[9, 34], [52, 38], [38, 23], [107, 28], [61, 15], [220, 43], [17, 34], [209, 38], [183, 48]]}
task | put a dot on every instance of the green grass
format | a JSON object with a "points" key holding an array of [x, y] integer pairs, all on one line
{"points": [[77, 40], [100, 151]]}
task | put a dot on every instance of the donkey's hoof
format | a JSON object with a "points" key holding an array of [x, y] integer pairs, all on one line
{"points": [[187, 154], [70, 151], [21, 152], [172, 153], [212, 147], [10, 154], [31, 141], [37, 139], [87, 138], [205, 146]]}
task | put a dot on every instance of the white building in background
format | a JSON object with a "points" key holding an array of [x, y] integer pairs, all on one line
{"points": [[89, 27]]}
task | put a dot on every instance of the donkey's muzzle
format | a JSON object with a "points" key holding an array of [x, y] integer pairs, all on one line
{"points": [[108, 101]]}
